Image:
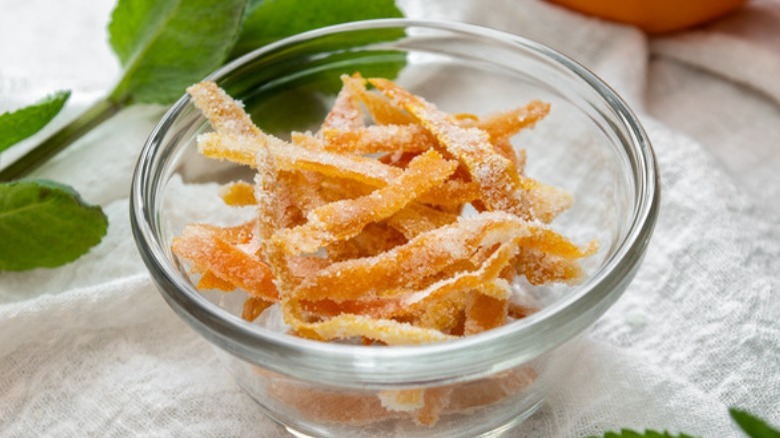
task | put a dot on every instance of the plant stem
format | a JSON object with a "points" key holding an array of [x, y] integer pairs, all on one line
{"points": [[92, 117]]}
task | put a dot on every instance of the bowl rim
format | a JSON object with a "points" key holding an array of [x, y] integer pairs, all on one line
{"points": [[352, 365]]}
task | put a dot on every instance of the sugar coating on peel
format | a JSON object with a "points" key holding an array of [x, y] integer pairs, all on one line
{"points": [[466, 280], [388, 331], [346, 113], [484, 312], [381, 109], [410, 265], [224, 113], [410, 303], [416, 219], [208, 252], [341, 220], [394, 223], [378, 138], [209, 280], [500, 126], [499, 184], [313, 156]]}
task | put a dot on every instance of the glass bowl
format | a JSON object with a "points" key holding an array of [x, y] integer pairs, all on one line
{"points": [[591, 145]]}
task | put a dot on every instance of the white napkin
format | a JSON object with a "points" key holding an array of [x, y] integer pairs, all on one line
{"points": [[90, 349]]}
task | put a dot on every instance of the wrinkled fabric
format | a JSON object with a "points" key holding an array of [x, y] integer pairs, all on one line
{"points": [[91, 349]]}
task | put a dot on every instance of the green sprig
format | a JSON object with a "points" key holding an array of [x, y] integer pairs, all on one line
{"points": [[753, 427], [163, 46]]}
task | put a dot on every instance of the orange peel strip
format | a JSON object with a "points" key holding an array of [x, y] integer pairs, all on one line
{"points": [[453, 193], [508, 123], [345, 113], [416, 219], [547, 201], [378, 138], [378, 308], [347, 326], [311, 156], [225, 114], [407, 302], [238, 194], [505, 148], [483, 313], [444, 307], [497, 177], [405, 266], [498, 288], [291, 157], [206, 251], [276, 210], [305, 189], [238, 149], [398, 159], [209, 280], [253, 307], [379, 107], [549, 257], [540, 268], [501, 126], [377, 238], [235, 235], [374, 239], [552, 243], [487, 273], [344, 219], [445, 314], [238, 139]]}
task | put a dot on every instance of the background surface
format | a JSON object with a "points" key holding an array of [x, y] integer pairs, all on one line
{"points": [[91, 349]]}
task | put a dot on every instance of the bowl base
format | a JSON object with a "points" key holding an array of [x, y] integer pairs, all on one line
{"points": [[494, 433]]}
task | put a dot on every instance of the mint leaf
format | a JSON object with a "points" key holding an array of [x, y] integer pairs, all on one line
{"points": [[270, 20], [45, 224], [289, 110], [17, 125], [754, 427], [628, 433], [299, 101], [167, 45]]}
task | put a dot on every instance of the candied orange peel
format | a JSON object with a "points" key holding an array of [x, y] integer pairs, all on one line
{"points": [[357, 244], [394, 223]]}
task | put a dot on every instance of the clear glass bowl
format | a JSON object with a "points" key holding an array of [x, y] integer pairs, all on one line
{"points": [[591, 144]]}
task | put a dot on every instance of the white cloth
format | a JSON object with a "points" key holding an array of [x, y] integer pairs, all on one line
{"points": [[90, 349]]}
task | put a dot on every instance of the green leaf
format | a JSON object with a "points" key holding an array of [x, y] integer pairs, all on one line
{"points": [[628, 433], [300, 101], [271, 20], [754, 427], [167, 45], [291, 110], [17, 125], [252, 4], [45, 224]]}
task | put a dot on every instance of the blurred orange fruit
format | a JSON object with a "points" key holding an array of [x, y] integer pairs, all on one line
{"points": [[655, 16]]}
